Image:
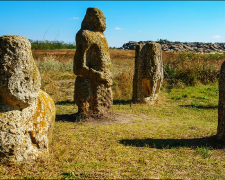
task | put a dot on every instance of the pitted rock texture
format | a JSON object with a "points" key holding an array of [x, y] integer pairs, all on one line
{"points": [[27, 114], [93, 93], [221, 106], [148, 75], [20, 80]]}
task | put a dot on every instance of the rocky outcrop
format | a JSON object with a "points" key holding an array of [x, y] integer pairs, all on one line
{"points": [[181, 47], [221, 106], [92, 94], [27, 113], [148, 75]]}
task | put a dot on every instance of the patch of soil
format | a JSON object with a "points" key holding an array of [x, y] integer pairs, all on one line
{"points": [[108, 119]]}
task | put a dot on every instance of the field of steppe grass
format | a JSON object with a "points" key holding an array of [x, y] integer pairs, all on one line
{"points": [[174, 139]]}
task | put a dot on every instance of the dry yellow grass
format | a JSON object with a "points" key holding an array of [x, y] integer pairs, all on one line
{"points": [[174, 139]]}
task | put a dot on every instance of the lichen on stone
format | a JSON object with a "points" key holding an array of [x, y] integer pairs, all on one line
{"points": [[148, 74], [93, 94], [27, 114]]}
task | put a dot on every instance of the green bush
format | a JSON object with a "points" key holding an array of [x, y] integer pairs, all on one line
{"points": [[41, 45]]}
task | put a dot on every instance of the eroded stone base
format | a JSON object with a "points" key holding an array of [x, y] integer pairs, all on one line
{"points": [[92, 98], [25, 134]]}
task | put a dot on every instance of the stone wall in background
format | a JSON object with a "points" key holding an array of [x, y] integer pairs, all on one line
{"points": [[181, 46]]}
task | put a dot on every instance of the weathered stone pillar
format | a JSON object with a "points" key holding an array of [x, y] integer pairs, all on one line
{"points": [[148, 74], [93, 94], [221, 106], [27, 113]]}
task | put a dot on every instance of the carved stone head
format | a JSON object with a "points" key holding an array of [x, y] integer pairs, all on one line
{"points": [[94, 20], [20, 80]]}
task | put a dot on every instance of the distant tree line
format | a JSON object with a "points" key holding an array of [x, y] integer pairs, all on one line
{"points": [[112, 47], [41, 45], [163, 40]]}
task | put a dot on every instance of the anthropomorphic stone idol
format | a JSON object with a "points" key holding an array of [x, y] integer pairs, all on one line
{"points": [[221, 106], [93, 94], [148, 75], [27, 113]]}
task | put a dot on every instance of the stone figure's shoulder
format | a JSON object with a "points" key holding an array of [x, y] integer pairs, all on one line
{"points": [[84, 35]]}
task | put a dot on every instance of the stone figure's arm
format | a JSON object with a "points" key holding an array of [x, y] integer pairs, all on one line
{"points": [[79, 65], [157, 69], [80, 68]]}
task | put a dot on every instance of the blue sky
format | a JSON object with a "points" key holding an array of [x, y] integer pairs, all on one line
{"points": [[185, 21]]}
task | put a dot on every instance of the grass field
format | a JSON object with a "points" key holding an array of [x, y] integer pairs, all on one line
{"points": [[174, 139]]}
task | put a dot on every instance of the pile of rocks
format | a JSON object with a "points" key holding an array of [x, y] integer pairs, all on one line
{"points": [[181, 46]]}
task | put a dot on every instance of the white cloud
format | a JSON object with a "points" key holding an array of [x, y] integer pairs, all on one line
{"points": [[75, 18], [139, 31], [216, 36], [117, 28]]}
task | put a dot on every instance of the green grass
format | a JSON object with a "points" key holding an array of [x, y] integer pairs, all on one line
{"points": [[174, 139]]}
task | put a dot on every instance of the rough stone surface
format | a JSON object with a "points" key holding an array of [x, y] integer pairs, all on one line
{"points": [[19, 77], [93, 94], [148, 75], [27, 113], [221, 106]]}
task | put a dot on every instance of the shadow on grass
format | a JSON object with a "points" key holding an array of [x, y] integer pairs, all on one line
{"points": [[69, 117], [122, 102], [67, 102], [210, 142], [200, 107]]}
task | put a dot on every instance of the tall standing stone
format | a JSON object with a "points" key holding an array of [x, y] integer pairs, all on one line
{"points": [[148, 75], [93, 94], [27, 113], [221, 106]]}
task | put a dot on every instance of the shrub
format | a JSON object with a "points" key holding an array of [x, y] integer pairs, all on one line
{"points": [[191, 68], [53, 65], [41, 45]]}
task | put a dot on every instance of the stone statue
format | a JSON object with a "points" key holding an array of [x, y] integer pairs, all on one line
{"points": [[148, 75], [93, 94], [221, 106], [27, 114]]}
